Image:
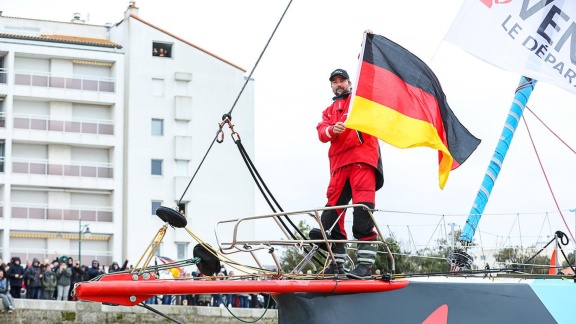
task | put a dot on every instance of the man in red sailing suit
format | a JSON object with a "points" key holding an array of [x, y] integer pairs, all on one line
{"points": [[355, 174]]}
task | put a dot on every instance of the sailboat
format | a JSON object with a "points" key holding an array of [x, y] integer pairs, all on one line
{"points": [[460, 296]]}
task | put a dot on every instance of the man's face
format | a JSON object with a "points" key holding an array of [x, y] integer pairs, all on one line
{"points": [[340, 85]]}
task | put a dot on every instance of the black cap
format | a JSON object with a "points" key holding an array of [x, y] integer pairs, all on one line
{"points": [[339, 72]]}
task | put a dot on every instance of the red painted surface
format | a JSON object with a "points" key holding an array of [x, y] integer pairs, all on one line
{"points": [[439, 316], [117, 289]]}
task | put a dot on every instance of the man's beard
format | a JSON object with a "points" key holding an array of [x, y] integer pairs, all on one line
{"points": [[340, 91]]}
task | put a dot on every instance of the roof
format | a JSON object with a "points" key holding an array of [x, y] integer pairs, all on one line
{"points": [[101, 42], [184, 41], [55, 21]]}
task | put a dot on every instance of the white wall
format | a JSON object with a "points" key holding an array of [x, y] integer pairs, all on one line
{"points": [[213, 88]]}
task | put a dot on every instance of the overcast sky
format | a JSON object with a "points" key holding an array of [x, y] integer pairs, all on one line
{"points": [[292, 89]]}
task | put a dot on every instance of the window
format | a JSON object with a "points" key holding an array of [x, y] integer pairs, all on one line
{"points": [[161, 49], [2, 117], [181, 249], [157, 127], [155, 205], [1, 155], [156, 167], [182, 209], [159, 250], [2, 70]]}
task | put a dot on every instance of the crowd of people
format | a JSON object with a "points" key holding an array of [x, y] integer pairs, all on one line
{"points": [[212, 300], [53, 280]]}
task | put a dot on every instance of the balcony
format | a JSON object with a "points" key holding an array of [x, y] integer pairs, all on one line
{"points": [[37, 122], [71, 169], [46, 212], [77, 82]]}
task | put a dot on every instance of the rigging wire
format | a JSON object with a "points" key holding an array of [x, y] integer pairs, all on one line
{"points": [[547, 180], [235, 102], [551, 131]]}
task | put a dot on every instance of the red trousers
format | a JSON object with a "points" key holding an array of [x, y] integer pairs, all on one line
{"points": [[356, 182]]}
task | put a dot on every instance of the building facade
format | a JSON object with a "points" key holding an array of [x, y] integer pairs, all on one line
{"points": [[100, 125]]}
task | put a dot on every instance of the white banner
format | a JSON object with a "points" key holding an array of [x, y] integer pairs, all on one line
{"points": [[536, 38]]}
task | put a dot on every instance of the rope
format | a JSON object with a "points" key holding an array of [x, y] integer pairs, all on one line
{"points": [[256, 320], [258, 180], [547, 180], [235, 101], [551, 131]]}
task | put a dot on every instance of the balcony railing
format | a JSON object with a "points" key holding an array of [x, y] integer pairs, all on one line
{"points": [[72, 169], [78, 82], [3, 75], [46, 212], [87, 126]]}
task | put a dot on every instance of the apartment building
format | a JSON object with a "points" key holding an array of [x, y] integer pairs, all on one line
{"points": [[100, 125]]}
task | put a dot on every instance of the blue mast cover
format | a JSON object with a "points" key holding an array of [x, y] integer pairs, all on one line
{"points": [[523, 92]]}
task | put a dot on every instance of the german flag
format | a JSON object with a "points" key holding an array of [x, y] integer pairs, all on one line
{"points": [[399, 100]]}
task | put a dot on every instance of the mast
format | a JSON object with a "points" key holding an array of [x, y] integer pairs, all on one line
{"points": [[521, 97]]}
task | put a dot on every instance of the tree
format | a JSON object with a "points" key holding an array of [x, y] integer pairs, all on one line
{"points": [[524, 259], [292, 256], [384, 262]]}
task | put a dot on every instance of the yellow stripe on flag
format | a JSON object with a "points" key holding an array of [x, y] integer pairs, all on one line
{"points": [[398, 130]]}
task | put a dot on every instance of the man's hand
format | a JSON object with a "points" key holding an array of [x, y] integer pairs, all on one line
{"points": [[338, 128]]}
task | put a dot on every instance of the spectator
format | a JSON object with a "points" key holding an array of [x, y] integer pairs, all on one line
{"points": [[114, 267], [217, 298], [202, 299], [152, 300], [94, 271], [33, 280], [77, 276], [42, 270], [230, 297], [49, 282], [4, 295], [189, 299], [63, 276], [166, 275], [15, 274], [244, 303]]}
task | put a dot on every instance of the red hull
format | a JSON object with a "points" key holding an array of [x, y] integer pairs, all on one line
{"points": [[122, 290]]}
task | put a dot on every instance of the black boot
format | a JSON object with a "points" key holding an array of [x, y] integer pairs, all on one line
{"points": [[361, 272], [335, 269]]}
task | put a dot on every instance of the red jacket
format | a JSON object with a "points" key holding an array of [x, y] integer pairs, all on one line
{"points": [[351, 146]]}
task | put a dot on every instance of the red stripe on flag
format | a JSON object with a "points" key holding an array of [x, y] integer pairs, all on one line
{"points": [[378, 84]]}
